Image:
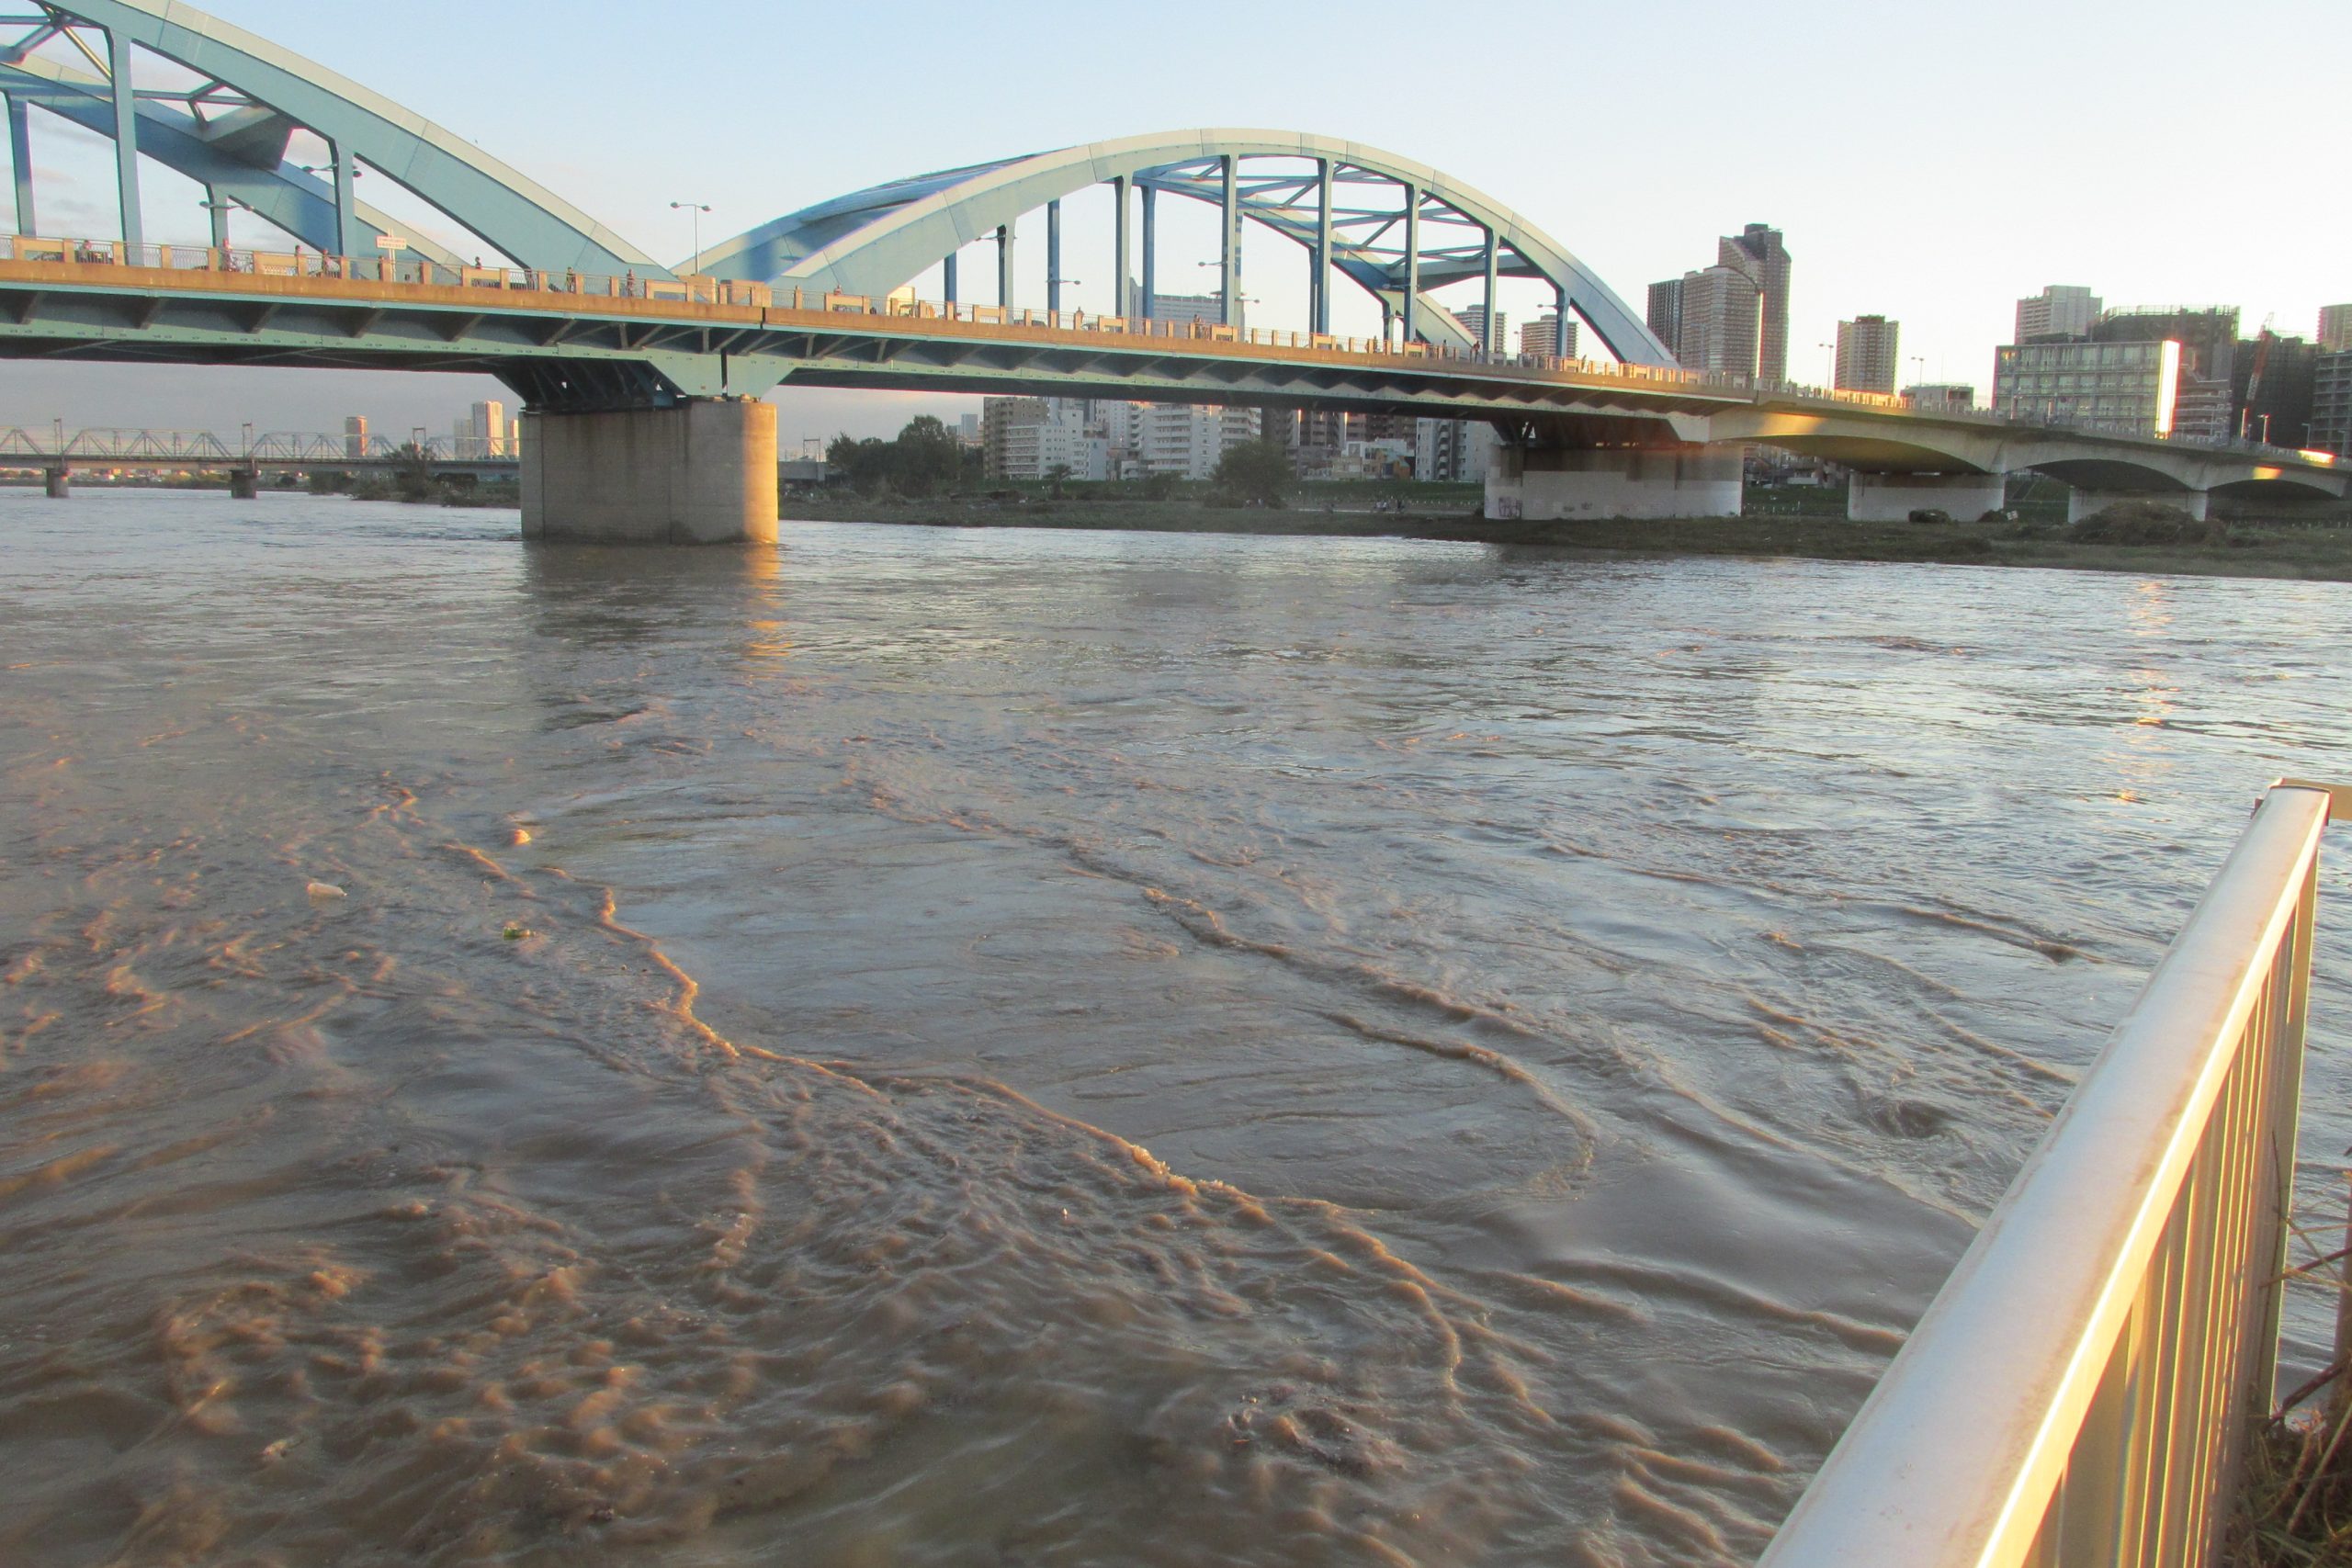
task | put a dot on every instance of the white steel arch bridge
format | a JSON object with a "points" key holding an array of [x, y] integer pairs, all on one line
{"points": [[583, 325]]}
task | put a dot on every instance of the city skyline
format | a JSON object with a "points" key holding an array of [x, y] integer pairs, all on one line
{"points": [[1892, 252]]}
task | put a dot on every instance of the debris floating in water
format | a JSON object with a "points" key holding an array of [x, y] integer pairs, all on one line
{"points": [[323, 891]]}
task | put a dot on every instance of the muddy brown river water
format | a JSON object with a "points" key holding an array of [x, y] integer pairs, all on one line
{"points": [[938, 1047]]}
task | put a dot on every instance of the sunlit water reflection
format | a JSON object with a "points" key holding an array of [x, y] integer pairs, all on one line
{"points": [[1575, 1013]]}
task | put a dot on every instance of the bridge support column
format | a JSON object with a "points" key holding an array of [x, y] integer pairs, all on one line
{"points": [[1892, 497], [1542, 484], [60, 483], [244, 484], [2082, 504], [701, 473]]}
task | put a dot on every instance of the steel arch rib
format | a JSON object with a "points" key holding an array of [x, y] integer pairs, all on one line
{"points": [[533, 225], [293, 199], [874, 241]]}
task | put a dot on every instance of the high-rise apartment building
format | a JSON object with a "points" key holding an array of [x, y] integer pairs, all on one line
{"points": [[492, 430], [354, 435], [1474, 322], [1758, 254], [1543, 337], [2334, 329], [1043, 438], [1867, 354], [2331, 429], [1187, 439], [1665, 314], [1454, 450], [1177, 307], [2279, 406], [2060, 311], [1721, 320]]}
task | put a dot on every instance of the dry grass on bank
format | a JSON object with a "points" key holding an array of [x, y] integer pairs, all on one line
{"points": [[2295, 1496]]}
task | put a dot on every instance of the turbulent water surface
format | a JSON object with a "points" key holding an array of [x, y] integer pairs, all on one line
{"points": [[934, 1047]]}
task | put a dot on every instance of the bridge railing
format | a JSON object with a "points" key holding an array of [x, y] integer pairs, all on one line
{"points": [[2080, 1391], [402, 268]]}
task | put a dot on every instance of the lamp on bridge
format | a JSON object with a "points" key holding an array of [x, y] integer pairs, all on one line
{"points": [[695, 209]]}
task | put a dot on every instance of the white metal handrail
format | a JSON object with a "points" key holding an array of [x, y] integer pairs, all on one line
{"points": [[2080, 1391]]}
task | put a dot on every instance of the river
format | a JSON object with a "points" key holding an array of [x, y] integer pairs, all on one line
{"points": [[1023, 1047]]}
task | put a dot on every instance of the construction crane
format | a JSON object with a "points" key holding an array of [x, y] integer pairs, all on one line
{"points": [[2254, 381]]}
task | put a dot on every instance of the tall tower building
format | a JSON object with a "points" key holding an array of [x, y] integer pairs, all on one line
{"points": [[1542, 336], [2335, 329], [1720, 321], [1757, 252], [2060, 311], [1665, 314], [1868, 354], [1474, 322]]}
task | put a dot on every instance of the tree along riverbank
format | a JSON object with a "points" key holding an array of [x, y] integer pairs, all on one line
{"points": [[2321, 549]]}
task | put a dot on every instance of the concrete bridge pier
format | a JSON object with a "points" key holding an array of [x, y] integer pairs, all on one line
{"points": [[2082, 504], [1551, 483], [702, 471], [1892, 497], [244, 484], [59, 482]]}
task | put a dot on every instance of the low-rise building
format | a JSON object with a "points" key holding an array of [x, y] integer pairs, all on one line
{"points": [[1941, 397], [2118, 388]]}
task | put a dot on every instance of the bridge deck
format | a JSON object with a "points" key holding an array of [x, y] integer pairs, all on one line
{"points": [[569, 340]]}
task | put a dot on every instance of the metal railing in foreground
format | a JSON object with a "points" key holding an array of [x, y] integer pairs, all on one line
{"points": [[2080, 1391]]}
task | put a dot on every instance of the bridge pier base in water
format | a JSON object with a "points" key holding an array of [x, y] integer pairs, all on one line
{"points": [[703, 472], [60, 483], [2082, 504], [244, 484], [1550, 483], [1892, 497]]}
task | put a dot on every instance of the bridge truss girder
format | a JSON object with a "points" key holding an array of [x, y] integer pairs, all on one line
{"points": [[584, 359]]}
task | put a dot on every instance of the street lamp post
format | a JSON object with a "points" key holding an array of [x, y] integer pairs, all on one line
{"points": [[1830, 366], [696, 210]]}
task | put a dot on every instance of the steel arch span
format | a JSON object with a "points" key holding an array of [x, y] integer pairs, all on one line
{"points": [[229, 127], [1395, 227]]}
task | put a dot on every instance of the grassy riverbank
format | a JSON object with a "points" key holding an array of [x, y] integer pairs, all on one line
{"points": [[2239, 550]]}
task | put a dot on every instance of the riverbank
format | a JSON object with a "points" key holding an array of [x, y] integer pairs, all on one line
{"points": [[2238, 549]]}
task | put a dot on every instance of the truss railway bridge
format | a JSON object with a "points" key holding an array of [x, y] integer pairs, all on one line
{"points": [[643, 385]]}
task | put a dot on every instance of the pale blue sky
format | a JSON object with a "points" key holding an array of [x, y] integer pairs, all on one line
{"points": [[1931, 163]]}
